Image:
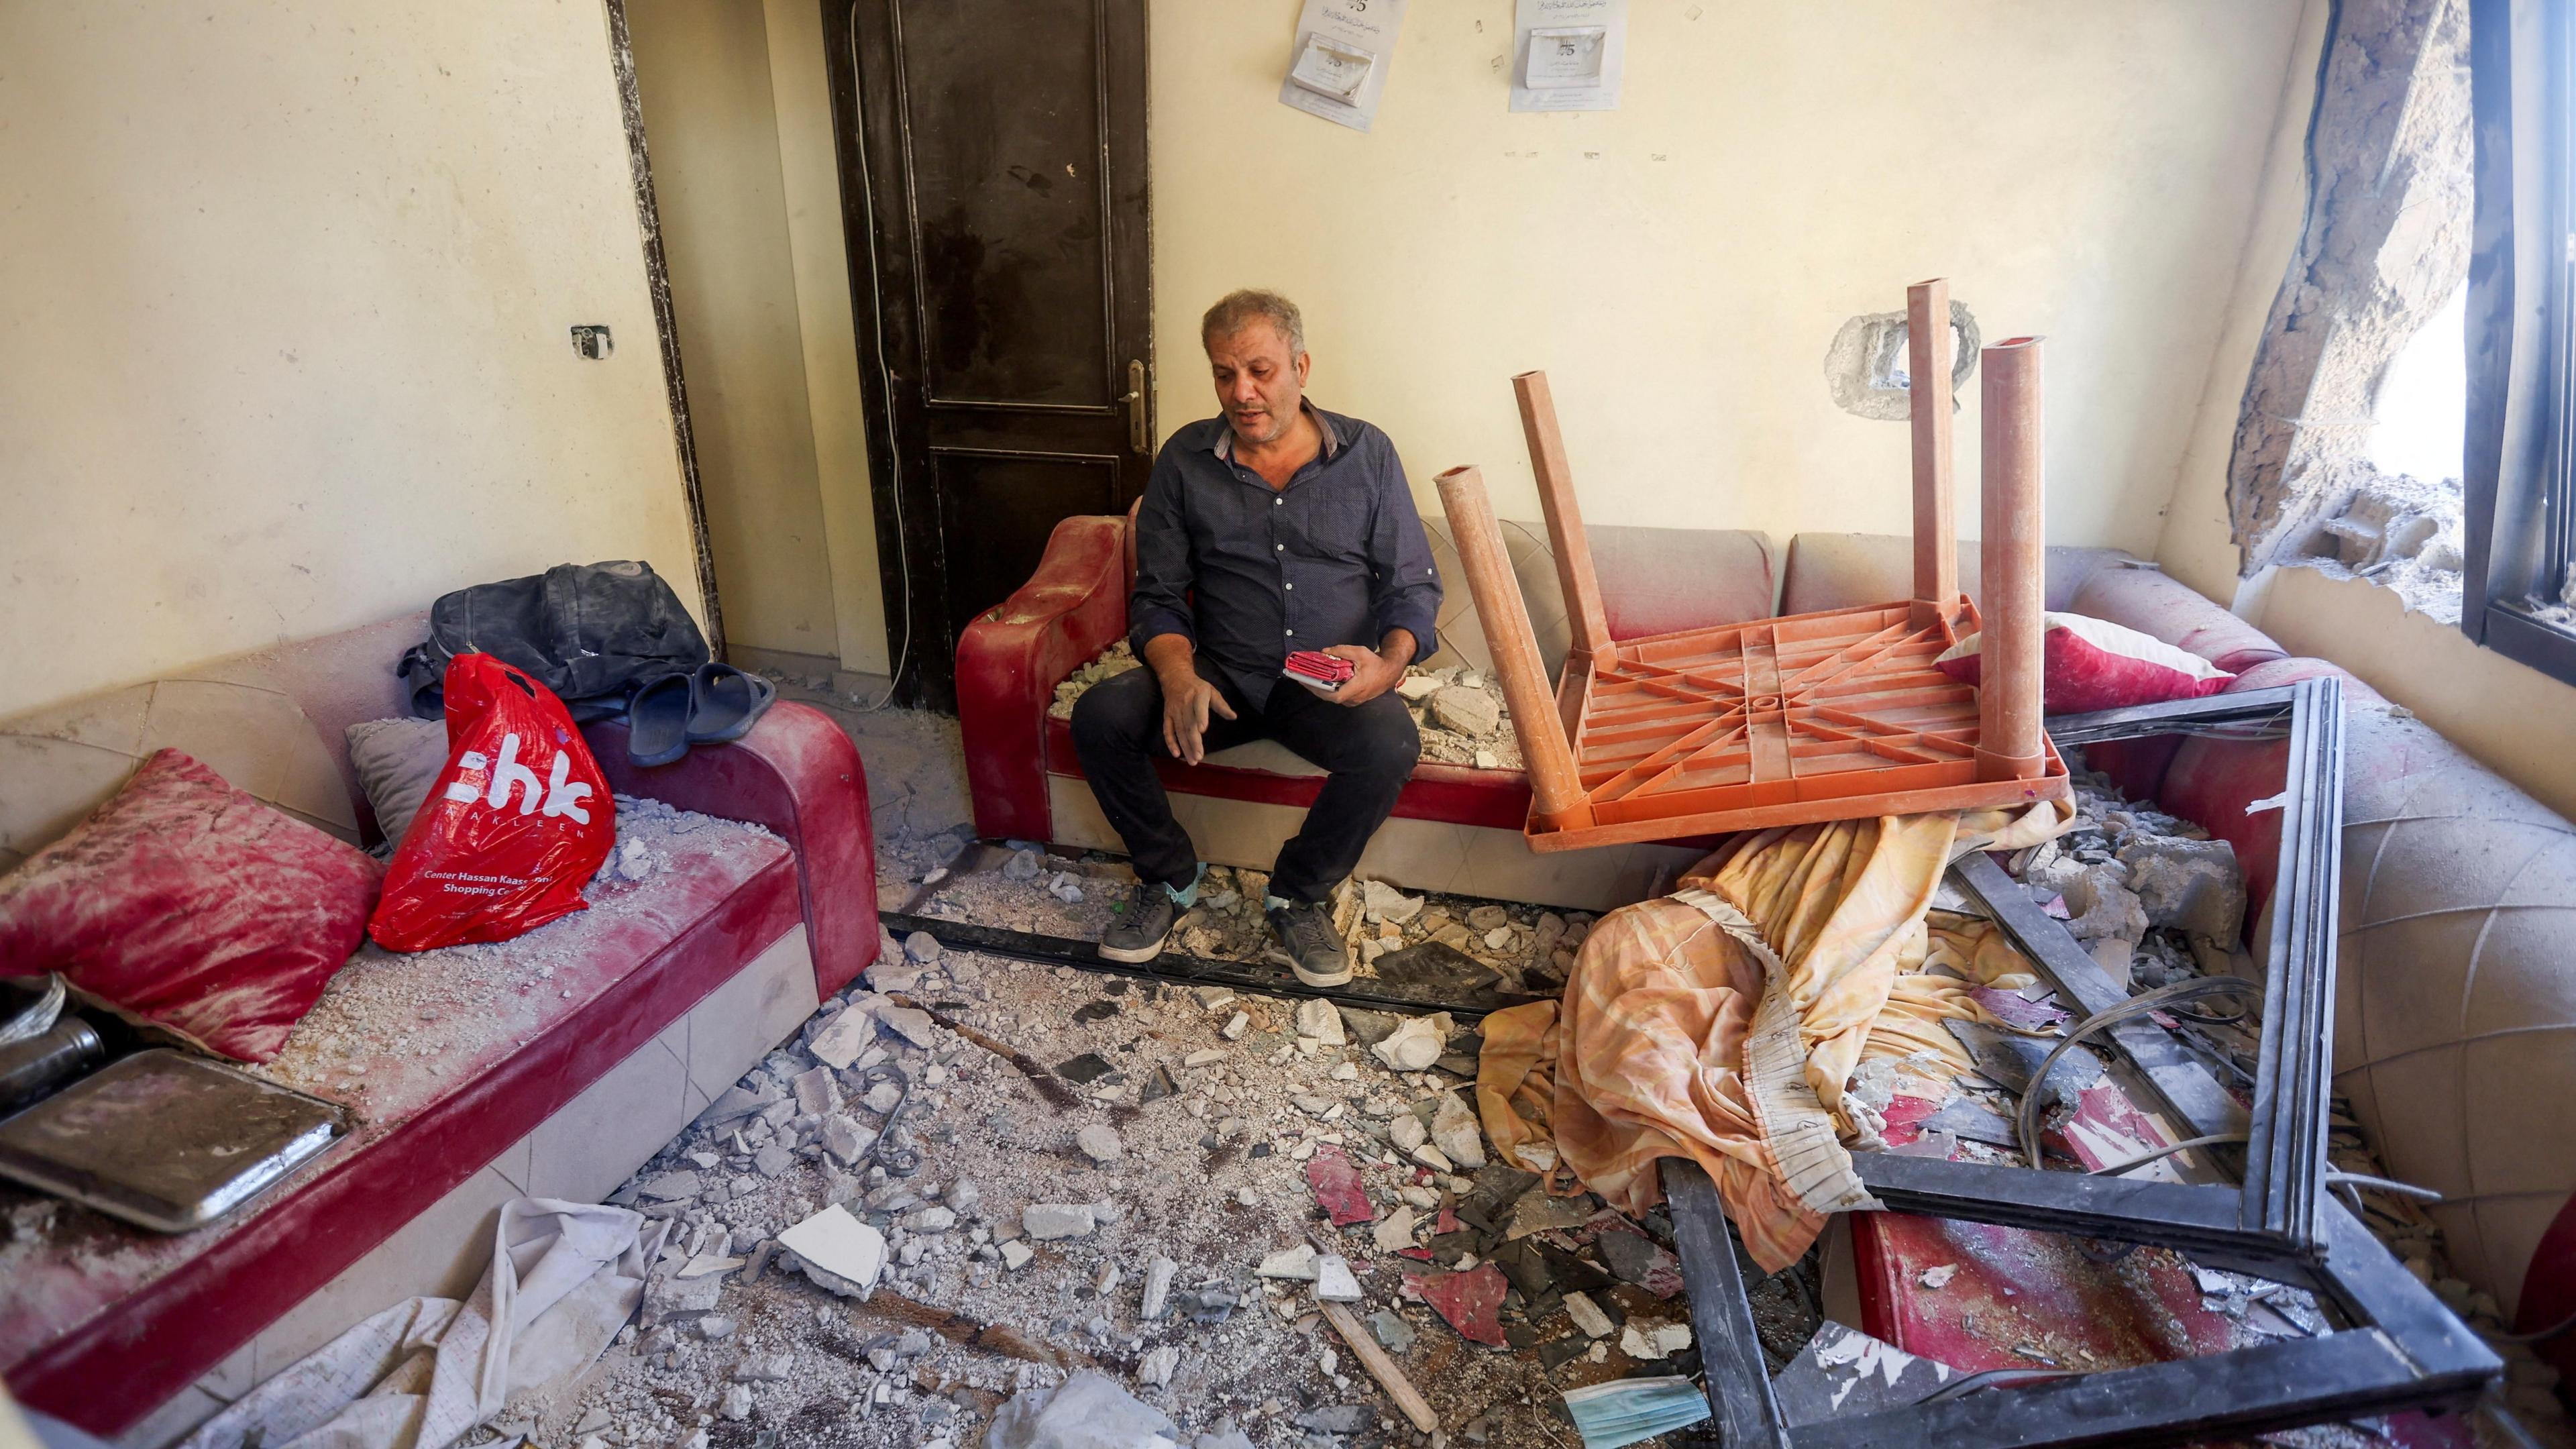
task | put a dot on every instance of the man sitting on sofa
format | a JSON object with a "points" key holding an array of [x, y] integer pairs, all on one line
{"points": [[1275, 528]]}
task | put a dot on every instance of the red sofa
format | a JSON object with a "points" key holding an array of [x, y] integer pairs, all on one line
{"points": [[721, 955]]}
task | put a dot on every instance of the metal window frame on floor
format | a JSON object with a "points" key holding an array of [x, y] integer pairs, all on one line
{"points": [[2277, 1208], [2402, 1348]]}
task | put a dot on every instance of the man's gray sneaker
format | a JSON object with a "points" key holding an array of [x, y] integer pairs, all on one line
{"points": [[1303, 940], [1137, 933]]}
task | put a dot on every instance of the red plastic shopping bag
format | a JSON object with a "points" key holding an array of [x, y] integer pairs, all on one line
{"points": [[513, 828]]}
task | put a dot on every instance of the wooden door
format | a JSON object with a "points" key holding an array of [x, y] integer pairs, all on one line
{"points": [[993, 190]]}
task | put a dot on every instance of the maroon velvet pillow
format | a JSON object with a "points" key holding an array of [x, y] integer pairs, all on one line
{"points": [[189, 904]]}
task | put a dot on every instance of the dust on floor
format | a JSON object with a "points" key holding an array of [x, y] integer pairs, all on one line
{"points": [[1208, 1171], [1185, 1125]]}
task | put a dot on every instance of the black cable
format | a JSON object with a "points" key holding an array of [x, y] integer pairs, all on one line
{"points": [[2161, 1153]]}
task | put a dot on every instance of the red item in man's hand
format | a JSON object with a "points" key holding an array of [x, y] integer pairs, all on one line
{"points": [[1330, 670]]}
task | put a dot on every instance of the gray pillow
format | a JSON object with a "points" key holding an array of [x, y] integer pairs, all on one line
{"points": [[397, 760]]}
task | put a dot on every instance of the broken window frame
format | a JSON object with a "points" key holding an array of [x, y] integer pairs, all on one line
{"points": [[2402, 1350], [2277, 1205]]}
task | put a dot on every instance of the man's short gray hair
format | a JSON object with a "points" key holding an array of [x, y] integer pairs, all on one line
{"points": [[1251, 304]]}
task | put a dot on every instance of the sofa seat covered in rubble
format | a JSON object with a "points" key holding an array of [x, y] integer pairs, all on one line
{"points": [[650, 1010], [2456, 1005]]}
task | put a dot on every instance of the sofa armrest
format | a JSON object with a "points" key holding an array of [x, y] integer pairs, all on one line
{"points": [[798, 775], [1011, 658], [2163, 607]]}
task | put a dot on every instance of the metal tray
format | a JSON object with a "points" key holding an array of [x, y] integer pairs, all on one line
{"points": [[166, 1141]]}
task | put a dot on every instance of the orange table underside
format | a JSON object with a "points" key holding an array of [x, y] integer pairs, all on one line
{"points": [[1824, 716]]}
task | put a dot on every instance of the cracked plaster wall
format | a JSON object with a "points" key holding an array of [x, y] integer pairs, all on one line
{"points": [[2386, 242], [2512, 719]]}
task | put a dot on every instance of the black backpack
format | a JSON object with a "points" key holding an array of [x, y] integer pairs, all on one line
{"points": [[592, 633]]}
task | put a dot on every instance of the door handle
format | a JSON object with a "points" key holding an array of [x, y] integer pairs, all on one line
{"points": [[1140, 431]]}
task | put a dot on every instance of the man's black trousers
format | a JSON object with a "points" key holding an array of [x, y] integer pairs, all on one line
{"points": [[1366, 750]]}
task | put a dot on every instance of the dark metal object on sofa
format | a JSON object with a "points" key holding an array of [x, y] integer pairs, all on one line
{"points": [[2402, 1349]]}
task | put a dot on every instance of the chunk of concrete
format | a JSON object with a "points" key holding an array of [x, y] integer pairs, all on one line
{"points": [[1296, 1263], [848, 1034], [841, 1254], [735, 1105], [845, 1139], [1456, 1132], [1587, 1315], [1100, 1143], [1407, 1132], [2193, 886], [1394, 1232], [1416, 1044], [671, 1186], [1321, 1020], [1158, 1288], [1470, 712], [2103, 905], [816, 1092], [911, 1023], [1048, 1221], [1386, 905], [1334, 1282]]}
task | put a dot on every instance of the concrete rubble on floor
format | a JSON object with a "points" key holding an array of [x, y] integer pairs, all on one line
{"points": [[1160, 1296], [1153, 1236]]}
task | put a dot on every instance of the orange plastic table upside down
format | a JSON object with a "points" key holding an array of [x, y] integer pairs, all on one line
{"points": [[1822, 716]]}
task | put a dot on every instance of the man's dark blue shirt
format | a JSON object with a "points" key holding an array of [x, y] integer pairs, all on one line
{"points": [[1249, 575]]}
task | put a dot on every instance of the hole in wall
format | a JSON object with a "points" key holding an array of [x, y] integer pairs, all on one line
{"points": [[1866, 367]]}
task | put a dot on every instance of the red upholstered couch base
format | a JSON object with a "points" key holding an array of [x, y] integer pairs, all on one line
{"points": [[162, 1311], [105, 1324]]}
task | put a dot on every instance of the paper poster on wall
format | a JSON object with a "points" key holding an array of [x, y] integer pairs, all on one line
{"points": [[1568, 54], [1338, 68]]}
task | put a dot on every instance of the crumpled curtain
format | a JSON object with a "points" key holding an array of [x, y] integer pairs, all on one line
{"points": [[564, 1278], [1963, 953], [1648, 1044]]}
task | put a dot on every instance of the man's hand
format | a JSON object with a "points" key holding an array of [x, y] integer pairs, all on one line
{"points": [[1373, 671], [1187, 698], [1186, 702]]}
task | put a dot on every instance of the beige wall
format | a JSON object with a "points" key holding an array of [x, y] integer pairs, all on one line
{"points": [[809, 172], [2513, 719], [1680, 266], [283, 335], [703, 71], [737, 112]]}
